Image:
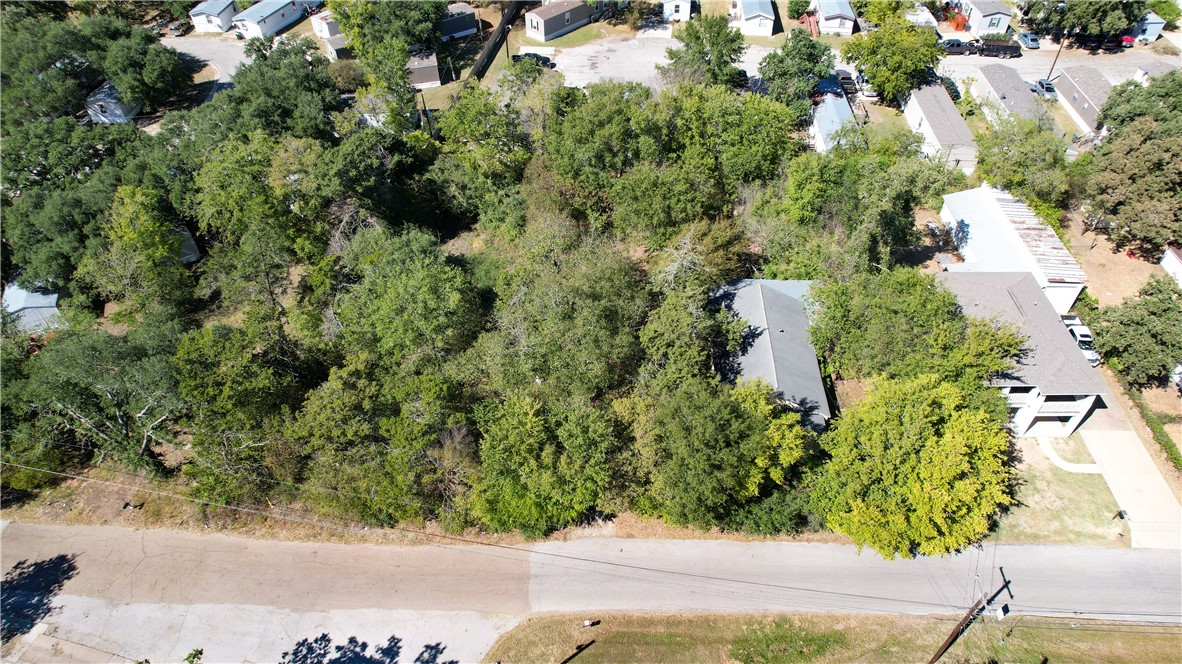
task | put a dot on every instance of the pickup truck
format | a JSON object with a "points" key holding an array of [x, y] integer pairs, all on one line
{"points": [[958, 47], [999, 48], [1083, 338]]}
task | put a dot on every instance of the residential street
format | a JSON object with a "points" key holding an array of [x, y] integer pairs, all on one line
{"points": [[159, 594]]}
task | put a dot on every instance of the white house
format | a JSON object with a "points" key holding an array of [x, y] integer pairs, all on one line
{"points": [[677, 10], [834, 17], [1152, 69], [1002, 90], [35, 310], [1052, 388], [213, 16], [986, 17], [461, 21], [325, 26], [103, 106], [754, 18], [268, 17], [1171, 262], [829, 118], [553, 20], [946, 138], [995, 232], [337, 47], [1083, 91], [1149, 28]]}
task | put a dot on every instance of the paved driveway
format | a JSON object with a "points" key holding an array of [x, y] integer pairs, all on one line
{"points": [[223, 53], [1033, 65]]}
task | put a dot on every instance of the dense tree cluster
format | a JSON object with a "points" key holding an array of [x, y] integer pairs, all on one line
{"points": [[1140, 337], [896, 58]]}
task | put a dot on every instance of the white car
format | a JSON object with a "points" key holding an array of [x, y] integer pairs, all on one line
{"points": [[1083, 338]]}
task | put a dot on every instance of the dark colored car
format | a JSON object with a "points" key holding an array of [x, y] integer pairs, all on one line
{"points": [[179, 28], [958, 47], [1112, 45], [542, 60], [1089, 43], [848, 84]]}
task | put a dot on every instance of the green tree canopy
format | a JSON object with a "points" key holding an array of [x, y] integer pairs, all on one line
{"points": [[710, 47], [1159, 100], [896, 58], [1082, 17], [914, 470], [1025, 158], [793, 71], [1141, 337]]}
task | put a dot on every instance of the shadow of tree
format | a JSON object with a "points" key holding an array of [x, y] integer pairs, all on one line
{"points": [[320, 650], [28, 592]]}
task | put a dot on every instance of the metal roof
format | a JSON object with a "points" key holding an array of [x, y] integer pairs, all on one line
{"points": [[987, 7], [835, 8], [35, 309], [211, 7], [1015, 93], [776, 345], [1052, 361], [1090, 82], [260, 11], [831, 115], [996, 232], [757, 8], [942, 116]]}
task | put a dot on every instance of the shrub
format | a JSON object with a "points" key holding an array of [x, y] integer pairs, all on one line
{"points": [[347, 75]]}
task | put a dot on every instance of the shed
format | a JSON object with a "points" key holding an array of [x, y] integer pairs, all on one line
{"points": [[325, 26], [829, 118], [424, 70], [986, 17], [1149, 28], [834, 17], [268, 17], [1000, 89], [213, 16], [104, 107], [337, 47], [1171, 262], [461, 21], [35, 310], [996, 232], [1151, 70], [1083, 91], [1052, 389], [946, 138], [677, 10], [754, 18], [557, 18], [776, 345]]}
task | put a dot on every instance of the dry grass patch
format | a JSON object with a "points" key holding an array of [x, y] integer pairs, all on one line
{"points": [[1072, 449]]}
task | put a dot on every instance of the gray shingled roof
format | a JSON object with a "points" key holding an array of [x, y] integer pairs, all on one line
{"points": [[546, 12], [1053, 363], [1016, 95], [987, 7], [1090, 82], [776, 343], [942, 116]]}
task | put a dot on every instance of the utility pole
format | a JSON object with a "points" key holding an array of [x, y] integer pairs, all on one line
{"points": [[970, 615]]}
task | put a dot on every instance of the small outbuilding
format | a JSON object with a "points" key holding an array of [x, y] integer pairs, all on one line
{"points": [[1151, 70], [834, 17], [461, 21], [104, 106], [1083, 91], [754, 18], [213, 16], [677, 10], [1171, 262], [35, 310], [424, 70], [557, 18], [830, 116], [946, 138], [337, 47], [986, 17], [920, 17], [325, 26], [1149, 28]]}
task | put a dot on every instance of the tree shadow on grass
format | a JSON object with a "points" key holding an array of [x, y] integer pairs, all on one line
{"points": [[320, 650], [26, 596]]}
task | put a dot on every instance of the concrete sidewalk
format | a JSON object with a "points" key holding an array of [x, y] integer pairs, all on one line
{"points": [[1155, 517]]}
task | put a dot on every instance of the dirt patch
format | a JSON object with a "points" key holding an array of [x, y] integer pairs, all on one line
{"points": [[1112, 275], [934, 241], [1164, 400], [850, 392], [632, 526]]}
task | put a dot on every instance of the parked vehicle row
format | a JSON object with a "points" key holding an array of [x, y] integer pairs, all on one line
{"points": [[986, 48]]}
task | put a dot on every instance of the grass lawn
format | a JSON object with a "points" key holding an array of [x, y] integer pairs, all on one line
{"points": [[1058, 507], [1060, 116], [826, 638], [834, 42], [583, 35]]}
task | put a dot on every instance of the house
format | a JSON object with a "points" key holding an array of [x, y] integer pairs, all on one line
{"points": [[325, 26], [213, 16], [337, 47], [104, 107], [1171, 262], [35, 310], [920, 17], [557, 18], [834, 17], [461, 20], [1083, 91], [424, 70], [986, 17], [1001, 90], [1151, 70], [754, 18], [946, 138], [995, 232], [268, 17], [1052, 389], [1149, 28], [677, 10], [829, 118], [777, 349]]}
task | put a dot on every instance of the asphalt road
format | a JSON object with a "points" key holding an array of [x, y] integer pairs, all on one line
{"points": [[158, 594], [1033, 65]]}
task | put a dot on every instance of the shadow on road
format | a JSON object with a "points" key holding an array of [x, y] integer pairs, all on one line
{"points": [[26, 595], [320, 650]]}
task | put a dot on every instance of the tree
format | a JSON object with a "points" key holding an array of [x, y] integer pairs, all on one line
{"points": [[1140, 337], [141, 263], [1082, 17], [1137, 184], [1168, 10], [484, 137], [368, 23], [145, 72], [654, 201], [347, 74], [793, 71], [797, 8], [895, 58], [710, 47], [1025, 158], [882, 12], [914, 471], [1159, 100]]}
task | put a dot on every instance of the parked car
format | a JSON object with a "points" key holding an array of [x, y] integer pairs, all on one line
{"points": [[865, 88], [179, 28], [958, 47], [1029, 40], [999, 48], [1083, 338], [1088, 43], [542, 60], [1112, 45], [1047, 89]]}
